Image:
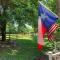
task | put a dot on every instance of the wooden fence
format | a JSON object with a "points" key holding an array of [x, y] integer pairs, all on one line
{"points": [[54, 56]]}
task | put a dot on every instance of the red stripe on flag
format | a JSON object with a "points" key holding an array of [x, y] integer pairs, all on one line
{"points": [[51, 30], [50, 37], [44, 30], [41, 32], [40, 47]]}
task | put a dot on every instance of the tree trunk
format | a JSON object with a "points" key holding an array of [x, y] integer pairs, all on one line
{"points": [[4, 5], [58, 7], [4, 30]]}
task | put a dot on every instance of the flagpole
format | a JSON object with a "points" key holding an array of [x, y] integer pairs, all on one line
{"points": [[48, 9]]}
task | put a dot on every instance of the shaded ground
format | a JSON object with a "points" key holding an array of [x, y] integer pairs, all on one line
{"points": [[20, 50]]}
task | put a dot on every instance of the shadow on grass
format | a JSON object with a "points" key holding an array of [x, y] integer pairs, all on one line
{"points": [[22, 49]]}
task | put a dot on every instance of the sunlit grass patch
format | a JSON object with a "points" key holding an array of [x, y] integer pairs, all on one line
{"points": [[19, 36]]}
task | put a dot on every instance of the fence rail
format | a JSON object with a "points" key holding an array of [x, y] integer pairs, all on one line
{"points": [[55, 56]]}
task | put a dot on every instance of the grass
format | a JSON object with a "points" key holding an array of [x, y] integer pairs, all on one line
{"points": [[19, 36], [24, 49]]}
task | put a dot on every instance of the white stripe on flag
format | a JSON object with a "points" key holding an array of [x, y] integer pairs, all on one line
{"points": [[52, 29], [51, 38], [40, 36]]}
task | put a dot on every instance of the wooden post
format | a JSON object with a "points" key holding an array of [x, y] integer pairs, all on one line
{"points": [[58, 7], [50, 55], [55, 56]]}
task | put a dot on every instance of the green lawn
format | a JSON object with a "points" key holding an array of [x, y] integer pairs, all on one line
{"points": [[22, 49]]}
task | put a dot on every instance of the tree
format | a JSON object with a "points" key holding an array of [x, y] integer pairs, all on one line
{"points": [[58, 7], [3, 6], [24, 12]]}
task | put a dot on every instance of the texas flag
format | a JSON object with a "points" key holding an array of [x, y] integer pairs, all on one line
{"points": [[46, 24]]}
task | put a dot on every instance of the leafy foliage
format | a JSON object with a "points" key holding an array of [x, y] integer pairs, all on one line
{"points": [[51, 4], [26, 12], [23, 12]]}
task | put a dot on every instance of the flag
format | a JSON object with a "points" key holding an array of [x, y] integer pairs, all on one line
{"points": [[46, 24]]}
